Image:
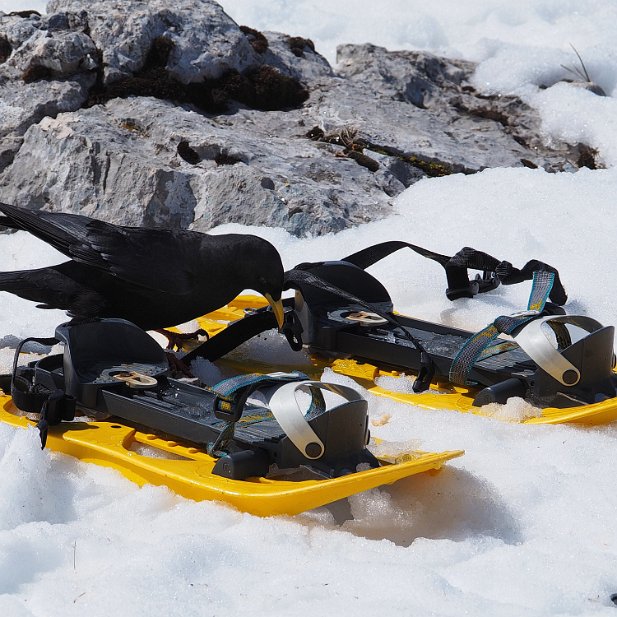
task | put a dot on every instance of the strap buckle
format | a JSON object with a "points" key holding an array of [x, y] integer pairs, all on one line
{"points": [[58, 406], [230, 408], [292, 329], [480, 284]]}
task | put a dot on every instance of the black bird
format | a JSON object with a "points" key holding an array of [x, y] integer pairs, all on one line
{"points": [[155, 278]]}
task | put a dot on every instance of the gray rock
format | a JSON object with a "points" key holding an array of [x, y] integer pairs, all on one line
{"points": [[61, 52], [448, 120], [18, 30], [58, 43], [307, 65], [23, 105], [415, 77], [381, 123], [101, 165], [206, 40], [122, 162], [64, 54]]}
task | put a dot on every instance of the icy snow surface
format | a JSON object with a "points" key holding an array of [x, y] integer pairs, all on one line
{"points": [[524, 524]]}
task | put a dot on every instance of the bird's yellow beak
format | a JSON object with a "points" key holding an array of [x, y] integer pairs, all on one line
{"points": [[277, 309]]}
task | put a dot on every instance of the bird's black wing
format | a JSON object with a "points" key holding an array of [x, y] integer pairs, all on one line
{"points": [[166, 260]]}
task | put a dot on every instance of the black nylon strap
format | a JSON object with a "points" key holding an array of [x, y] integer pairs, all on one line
{"points": [[456, 267], [52, 406], [33, 339], [245, 329], [26, 396], [509, 275], [372, 254], [232, 336], [459, 284]]}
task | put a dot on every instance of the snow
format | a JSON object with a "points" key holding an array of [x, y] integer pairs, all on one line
{"points": [[523, 524]]}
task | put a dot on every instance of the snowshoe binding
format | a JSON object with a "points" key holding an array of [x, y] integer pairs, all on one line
{"points": [[341, 312], [226, 444]]}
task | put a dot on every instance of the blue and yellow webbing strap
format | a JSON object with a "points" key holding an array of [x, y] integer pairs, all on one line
{"points": [[479, 345]]}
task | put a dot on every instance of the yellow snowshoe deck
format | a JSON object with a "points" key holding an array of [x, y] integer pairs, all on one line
{"points": [[441, 395], [187, 470]]}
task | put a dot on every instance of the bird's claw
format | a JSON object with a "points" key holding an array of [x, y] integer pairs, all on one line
{"points": [[176, 340]]}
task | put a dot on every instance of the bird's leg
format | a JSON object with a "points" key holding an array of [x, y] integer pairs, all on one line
{"points": [[177, 365], [175, 340]]}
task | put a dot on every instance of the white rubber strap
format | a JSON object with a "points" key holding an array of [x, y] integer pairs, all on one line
{"points": [[534, 341], [287, 412]]}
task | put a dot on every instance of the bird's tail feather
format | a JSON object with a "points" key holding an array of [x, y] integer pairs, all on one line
{"points": [[35, 285], [10, 281], [5, 221]]}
